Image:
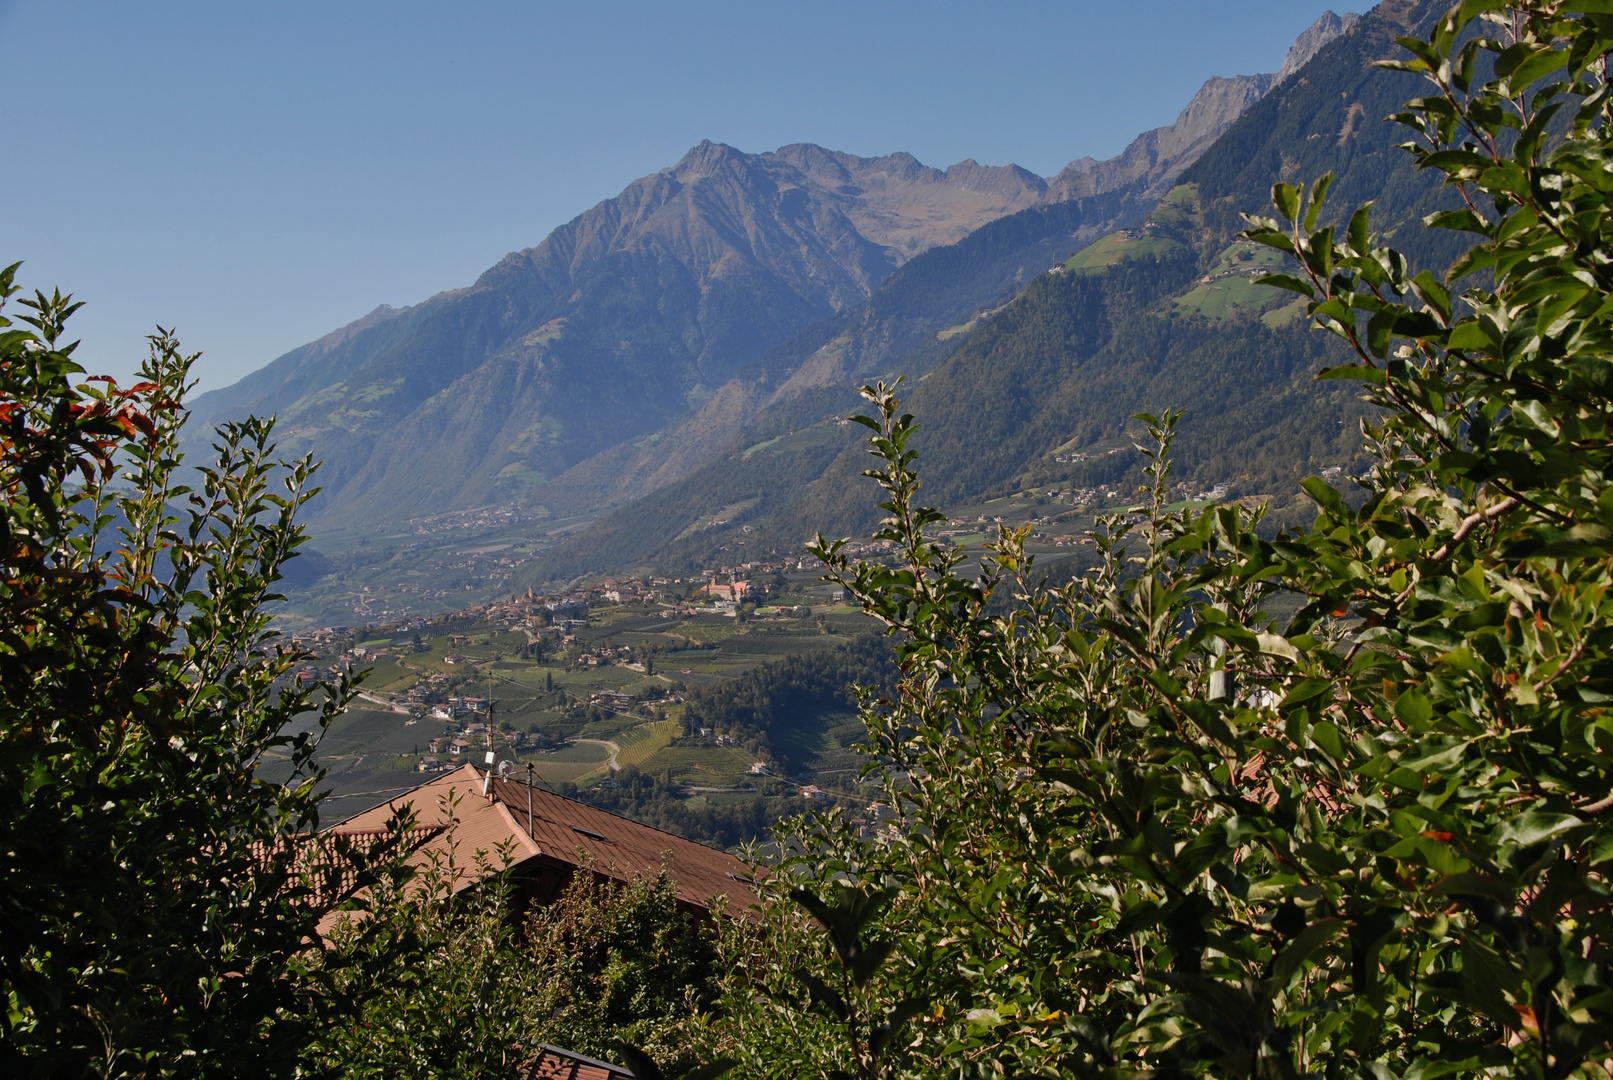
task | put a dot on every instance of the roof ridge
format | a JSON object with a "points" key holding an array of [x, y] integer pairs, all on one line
{"points": [[394, 800], [612, 813]]}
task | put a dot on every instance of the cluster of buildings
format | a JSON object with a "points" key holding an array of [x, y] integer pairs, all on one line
{"points": [[613, 701], [470, 743], [868, 547], [453, 708], [475, 521], [734, 591], [1075, 456]]}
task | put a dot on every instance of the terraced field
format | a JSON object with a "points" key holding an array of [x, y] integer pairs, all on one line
{"points": [[697, 765], [641, 745]]}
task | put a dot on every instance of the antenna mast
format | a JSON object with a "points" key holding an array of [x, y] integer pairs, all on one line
{"points": [[529, 770]]}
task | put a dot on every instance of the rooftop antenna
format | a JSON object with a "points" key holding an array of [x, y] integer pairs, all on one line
{"points": [[487, 784], [531, 769], [500, 770]]}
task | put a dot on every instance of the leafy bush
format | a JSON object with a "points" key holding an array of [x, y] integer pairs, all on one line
{"points": [[1147, 830], [434, 985], [622, 963], [156, 895]]}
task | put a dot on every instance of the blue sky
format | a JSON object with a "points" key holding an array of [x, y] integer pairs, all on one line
{"points": [[259, 174]]}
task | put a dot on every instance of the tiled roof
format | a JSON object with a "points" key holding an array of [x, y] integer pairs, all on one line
{"points": [[322, 866], [553, 1063], [562, 830]]}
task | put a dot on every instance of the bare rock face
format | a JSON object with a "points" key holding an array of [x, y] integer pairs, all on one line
{"points": [[717, 213], [1308, 44], [1155, 158], [908, 207]]}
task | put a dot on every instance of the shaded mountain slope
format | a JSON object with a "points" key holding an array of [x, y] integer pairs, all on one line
{"points": [[1159, 316], [946, 288], [940, 290], [635, 342], [618, 324]]}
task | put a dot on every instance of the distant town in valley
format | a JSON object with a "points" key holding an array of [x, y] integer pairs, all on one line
{"points": [[577, 687]]}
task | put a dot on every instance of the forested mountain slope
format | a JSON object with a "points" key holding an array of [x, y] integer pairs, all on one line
{"points": [[944, 291], [634, 343], [1163, 315], [941, 288]]}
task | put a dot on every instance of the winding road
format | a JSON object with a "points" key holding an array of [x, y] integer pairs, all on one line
{"points": [[372, 699]]}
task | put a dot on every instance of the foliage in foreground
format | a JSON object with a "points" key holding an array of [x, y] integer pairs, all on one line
{"points": [[156, 905], [1149, 832], [160, 903]]}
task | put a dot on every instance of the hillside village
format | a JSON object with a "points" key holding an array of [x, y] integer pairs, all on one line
{"points": [[583, 684], [591, 681], [475, 562]]}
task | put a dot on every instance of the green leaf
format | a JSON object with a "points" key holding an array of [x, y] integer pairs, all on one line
{"points": [[1326, 735], [1287, 963], [1414, 710], [1538, 416], [1432, 293], [1303, 691], [1464, 220], [1359, 230], [1326, 497], [1533, 66], [1534, 827], [1318, 198], [1286, 281], [1286, 198], [1471, 334], [1277, 645]]}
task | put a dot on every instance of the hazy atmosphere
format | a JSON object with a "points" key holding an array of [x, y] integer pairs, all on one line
{"points": [[852, 541], [257, 175]]}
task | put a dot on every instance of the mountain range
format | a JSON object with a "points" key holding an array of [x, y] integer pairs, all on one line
{"points": [[1034, 393], [633, 346]]}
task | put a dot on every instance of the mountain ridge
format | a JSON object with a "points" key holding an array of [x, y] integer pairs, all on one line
{"points": [[584, 353], [1038, 395], [1150, 163]]}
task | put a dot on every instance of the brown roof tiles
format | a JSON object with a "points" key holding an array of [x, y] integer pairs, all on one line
{"points": [[559, 831]]}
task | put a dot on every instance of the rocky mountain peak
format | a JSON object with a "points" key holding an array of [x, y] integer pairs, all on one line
{"points": [[1322, 31], [704, 160], [1009, 181], [649, 301], [1155, 158], [905, 206]]}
